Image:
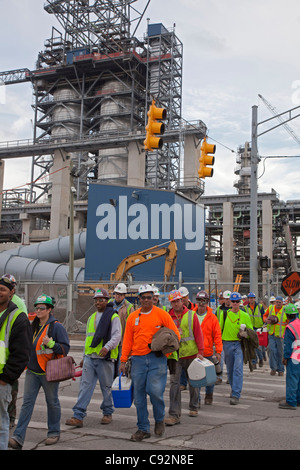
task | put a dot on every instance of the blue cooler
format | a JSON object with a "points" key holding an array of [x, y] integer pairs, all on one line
{"points": [[202, 373], [122, 392]]}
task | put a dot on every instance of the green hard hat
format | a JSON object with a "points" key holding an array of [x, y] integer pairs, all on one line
{"points": [[290, 309], [44, 299]]}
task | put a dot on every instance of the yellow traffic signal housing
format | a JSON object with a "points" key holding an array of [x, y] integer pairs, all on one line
{"points": [[206, 159], [154, 127]]}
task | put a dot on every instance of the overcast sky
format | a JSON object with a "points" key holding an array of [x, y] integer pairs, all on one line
{"points": [[233, 50]]}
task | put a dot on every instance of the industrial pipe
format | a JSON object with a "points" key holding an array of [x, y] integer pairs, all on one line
{"points": [[26, 269], [54, 251]]}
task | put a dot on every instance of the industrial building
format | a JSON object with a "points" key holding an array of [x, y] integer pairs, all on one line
{"points": [[92, 86]]}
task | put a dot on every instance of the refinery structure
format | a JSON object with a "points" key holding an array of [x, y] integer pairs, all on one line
{"points": [[92, 86]]}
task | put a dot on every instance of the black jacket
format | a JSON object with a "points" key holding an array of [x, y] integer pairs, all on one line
{"points": [[19, 347]]}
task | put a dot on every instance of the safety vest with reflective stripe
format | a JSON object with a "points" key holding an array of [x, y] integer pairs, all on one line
{"points": [[188, 346], [278, 328], [5, 335], [43, 353], [255, 316], [295, 329], [90, 331]]}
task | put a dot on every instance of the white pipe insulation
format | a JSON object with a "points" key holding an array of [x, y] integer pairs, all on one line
{"points": [[26, 269]]}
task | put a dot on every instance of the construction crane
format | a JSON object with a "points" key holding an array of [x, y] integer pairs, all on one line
{"points": [[280, 118]]}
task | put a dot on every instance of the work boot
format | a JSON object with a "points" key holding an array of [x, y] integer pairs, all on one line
{"points": [[13, 444], [234, 401], [159, 428], [193, 413], [140, 435], [273, 372], [78, 423], [106, 419], [286, 406], [51, 440], [171, 420], [208, 399]]}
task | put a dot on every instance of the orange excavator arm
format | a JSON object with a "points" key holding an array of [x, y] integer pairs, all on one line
{"points": [[147, 255]]}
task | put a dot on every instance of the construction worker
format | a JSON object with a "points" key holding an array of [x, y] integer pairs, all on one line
{"points": [[276, 321], [256, 312], [15, 345], [191, 346], [230, 323], [103, 335], [212, 336], [12, 408], [185, 298], [121, 305], [148, 370], [49, 338], [291, 359], [225, 306]]}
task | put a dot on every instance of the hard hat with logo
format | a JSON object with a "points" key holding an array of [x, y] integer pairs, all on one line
{"points": [[226, 294], [174, 295], [45, 299], [121, 288], [183, 290], [235, 296], [202, 295], [101, 293], [290, 309], [145, 288], [272, 298], [251, 295]]}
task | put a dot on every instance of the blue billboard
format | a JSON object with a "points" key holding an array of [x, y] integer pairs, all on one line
{"points": [[124, 220]]}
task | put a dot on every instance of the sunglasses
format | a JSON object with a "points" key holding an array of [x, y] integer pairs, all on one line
{"points": [[100, 299], [146, 297], [41, 308], [235, 301]]}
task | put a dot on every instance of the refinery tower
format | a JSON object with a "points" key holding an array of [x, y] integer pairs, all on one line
{"points": [[92, 85]]}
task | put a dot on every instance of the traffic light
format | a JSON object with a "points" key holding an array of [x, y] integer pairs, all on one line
{"points": [[264, 262], [154, 127], [206, 159]]}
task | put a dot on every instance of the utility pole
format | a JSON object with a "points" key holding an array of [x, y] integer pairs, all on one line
{"points": [[253, 205], [253, 187]]}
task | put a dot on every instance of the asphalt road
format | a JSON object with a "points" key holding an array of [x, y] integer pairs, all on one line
{"points": [[256, 423]]}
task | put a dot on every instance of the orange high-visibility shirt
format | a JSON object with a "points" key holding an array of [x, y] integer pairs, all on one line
{"points": [[140, 328]]}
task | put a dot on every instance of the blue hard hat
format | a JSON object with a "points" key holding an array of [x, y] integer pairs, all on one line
{"points": [[235, 296], [251, 294], [279, 298]]}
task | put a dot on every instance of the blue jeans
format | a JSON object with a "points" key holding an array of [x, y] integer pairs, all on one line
{"points": [[149, 376], [5, 399], [293, 383], [33, 383], [276, 353], [234, 363], [94, 369]]}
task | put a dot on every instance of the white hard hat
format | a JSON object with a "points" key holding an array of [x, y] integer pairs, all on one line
{"points": [[183, 291], [155, 290], [145, 288], [226, 294], [121, 288], [272, 298]]}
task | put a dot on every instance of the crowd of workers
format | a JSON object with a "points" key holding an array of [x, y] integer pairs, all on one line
{"points": [[118, 341]]}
